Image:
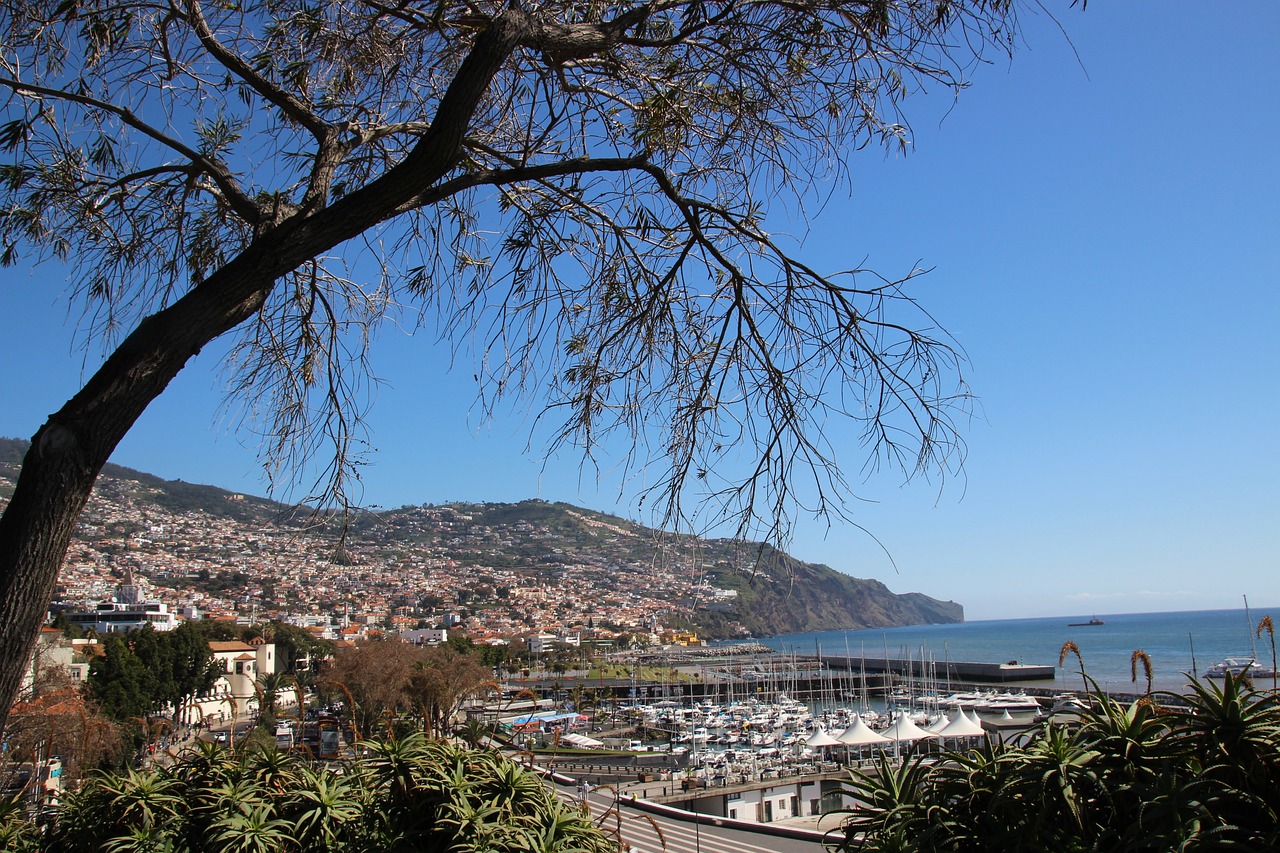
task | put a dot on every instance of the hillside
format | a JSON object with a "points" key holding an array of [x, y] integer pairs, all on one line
{"points": [[775, 593], [510, 567]]}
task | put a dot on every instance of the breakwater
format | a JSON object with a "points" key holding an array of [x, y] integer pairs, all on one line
{"points": [[952, 671]]}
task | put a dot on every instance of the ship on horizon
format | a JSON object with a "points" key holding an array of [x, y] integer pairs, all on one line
{"points": [[1094, 621]]}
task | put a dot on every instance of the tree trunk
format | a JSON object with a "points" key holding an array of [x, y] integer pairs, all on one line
{"points": [[69, 451]]}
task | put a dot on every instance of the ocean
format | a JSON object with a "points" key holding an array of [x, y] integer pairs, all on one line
{"points": [[1170, 639]]}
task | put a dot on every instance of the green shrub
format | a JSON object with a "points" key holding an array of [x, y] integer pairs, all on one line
{"points": [[1190, 772], [405, 794]]}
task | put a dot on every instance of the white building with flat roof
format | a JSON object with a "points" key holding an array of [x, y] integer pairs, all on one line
{"points": [[126, 611]]}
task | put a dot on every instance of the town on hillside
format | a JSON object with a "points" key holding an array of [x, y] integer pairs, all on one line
{"points": [[196, 565]]}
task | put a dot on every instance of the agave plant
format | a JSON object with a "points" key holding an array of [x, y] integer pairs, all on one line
{"points": [[17, 833], [257, 830], [273, 768], [139, 808], [322, 806], [1059, 773], [1168, 772], [408, 793], [895, 797], [1231, 735]]}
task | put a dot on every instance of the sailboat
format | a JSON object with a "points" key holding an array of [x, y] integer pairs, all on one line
{"points": [[1242, 666]]}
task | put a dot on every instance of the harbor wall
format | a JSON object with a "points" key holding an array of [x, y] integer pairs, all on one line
{"points": [[989, 673]]}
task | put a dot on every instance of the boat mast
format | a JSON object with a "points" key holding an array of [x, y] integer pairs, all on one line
{"points": [[946, 649], [1248, 624], [866, 691]]}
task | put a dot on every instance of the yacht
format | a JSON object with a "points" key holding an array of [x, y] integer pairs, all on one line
{"points": [[1237, 667], [1066, 705]]}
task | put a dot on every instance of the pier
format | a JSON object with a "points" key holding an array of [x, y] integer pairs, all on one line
{"points": [[764, 663], [961, 671]]}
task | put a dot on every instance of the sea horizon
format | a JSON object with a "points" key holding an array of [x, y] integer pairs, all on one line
{"points": [[1177, 642]]}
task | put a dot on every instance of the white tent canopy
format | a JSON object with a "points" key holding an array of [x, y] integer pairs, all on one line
{"points": [[961, 726], [903, 729], [820, 738], [860, 734]]}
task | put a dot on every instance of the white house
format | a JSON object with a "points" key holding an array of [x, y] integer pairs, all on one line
{"points": [[235, 693], [539, 643], [425, 636]]}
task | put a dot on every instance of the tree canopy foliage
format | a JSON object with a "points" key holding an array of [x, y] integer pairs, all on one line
{"points": [[577, 193], [388, 678], [57, 719], [144, 671]]}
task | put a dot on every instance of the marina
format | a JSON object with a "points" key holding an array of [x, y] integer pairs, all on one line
{"points": [[748, 718], [766, 730], [765, 760]]}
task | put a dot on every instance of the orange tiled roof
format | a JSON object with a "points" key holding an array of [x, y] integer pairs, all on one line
{"points": [[229, 646]]}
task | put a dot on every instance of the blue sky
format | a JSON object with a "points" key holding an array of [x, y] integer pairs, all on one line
{"points": [[1103, 229]]}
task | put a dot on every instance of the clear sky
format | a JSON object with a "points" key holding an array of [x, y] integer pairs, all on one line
{"points": [[1103, 217]]}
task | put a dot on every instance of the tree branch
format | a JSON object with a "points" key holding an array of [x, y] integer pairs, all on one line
{"points": [[288, 104], [521, 174], [235, 197]]}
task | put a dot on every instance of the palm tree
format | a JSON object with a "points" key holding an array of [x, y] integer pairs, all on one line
{"points": [[472, 731], [350, 700], [269, 687]]}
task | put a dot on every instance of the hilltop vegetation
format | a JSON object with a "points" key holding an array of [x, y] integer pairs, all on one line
{"points": [[174, 495]]}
